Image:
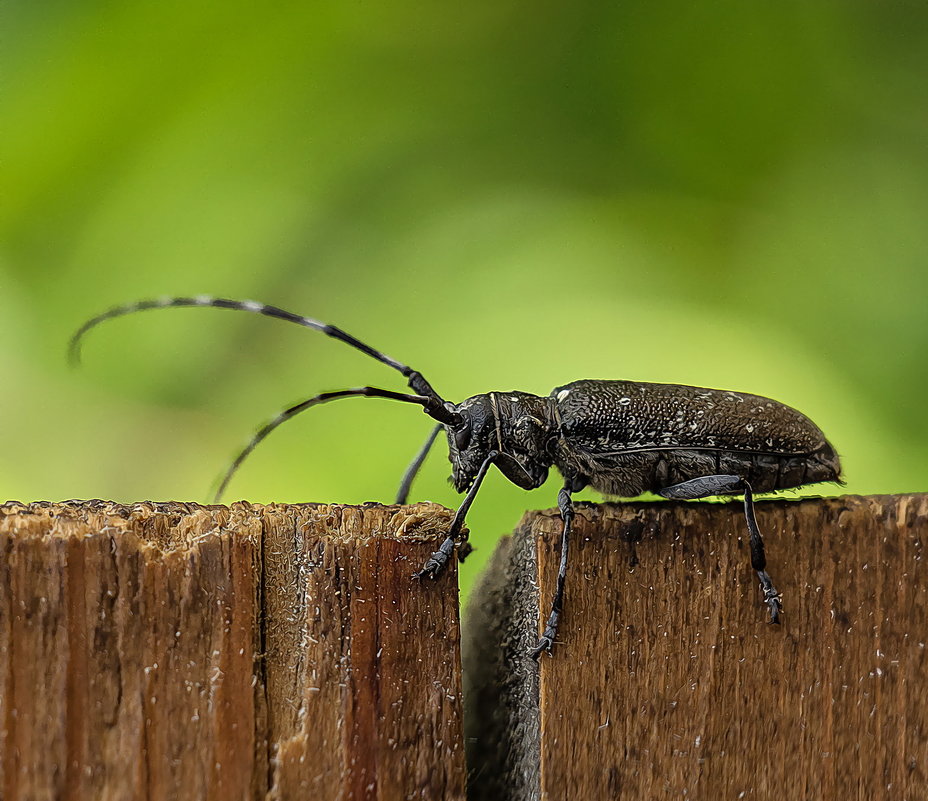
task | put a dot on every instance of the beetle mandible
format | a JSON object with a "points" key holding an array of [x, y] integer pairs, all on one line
{"points": [[621, 438]]}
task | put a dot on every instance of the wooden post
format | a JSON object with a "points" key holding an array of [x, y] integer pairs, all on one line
{"points": [[175, 651], [667, 682]]}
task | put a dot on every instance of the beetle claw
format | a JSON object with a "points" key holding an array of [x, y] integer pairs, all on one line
{"points": [[545, 642], [437, 561], [431, 568], [772, 600]]}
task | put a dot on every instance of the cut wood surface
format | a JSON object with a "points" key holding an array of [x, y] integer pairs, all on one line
{"points": [[667, 682], [176, 651]]}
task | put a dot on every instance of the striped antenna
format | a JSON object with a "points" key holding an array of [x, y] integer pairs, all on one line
{"points": [[438, 408], [287, 414]]}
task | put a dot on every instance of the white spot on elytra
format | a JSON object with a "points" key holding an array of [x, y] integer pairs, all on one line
{"points": [[563, 394], [749, 428]]}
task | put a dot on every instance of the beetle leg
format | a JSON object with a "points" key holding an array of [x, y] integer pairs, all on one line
{"points": [[759, 559], [437, 561], [705, 486], [412, 471], [546, 640]]}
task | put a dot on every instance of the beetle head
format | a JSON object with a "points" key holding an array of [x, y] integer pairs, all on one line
{"points": [[470, 440], [514, 424]]}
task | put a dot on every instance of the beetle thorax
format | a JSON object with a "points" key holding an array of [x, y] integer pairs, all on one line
{"points": [[516, 425]]}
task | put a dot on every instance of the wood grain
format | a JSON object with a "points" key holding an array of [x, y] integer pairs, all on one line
{"points": [[175, 651], [667, 682]]}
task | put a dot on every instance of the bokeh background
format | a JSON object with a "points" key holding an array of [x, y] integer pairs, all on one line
{"points": [[505, 195]]}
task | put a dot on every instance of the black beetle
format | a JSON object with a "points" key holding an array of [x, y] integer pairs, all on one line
{"points": [[621, 438]]}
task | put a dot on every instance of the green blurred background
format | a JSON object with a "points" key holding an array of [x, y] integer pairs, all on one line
{"points": [[504, 195]]}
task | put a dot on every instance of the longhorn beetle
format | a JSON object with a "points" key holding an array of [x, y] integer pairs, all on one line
{"points": [[621, 438]]}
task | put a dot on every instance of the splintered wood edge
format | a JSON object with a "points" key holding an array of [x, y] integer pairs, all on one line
{"points": [[173, 525]]}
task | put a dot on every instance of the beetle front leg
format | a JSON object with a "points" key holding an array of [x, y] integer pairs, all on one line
{"points": [[705, 486], [566, 508], [437, 561]]}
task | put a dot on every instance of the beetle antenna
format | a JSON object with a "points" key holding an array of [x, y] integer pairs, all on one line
{"points": [[417, 383], [325, 397]]}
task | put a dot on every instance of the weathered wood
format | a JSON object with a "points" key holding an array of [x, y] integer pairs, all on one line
{"points": [[175, 651], [667, 681]]}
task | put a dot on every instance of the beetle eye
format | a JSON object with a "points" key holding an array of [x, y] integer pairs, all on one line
{"points": [[462, 437]]}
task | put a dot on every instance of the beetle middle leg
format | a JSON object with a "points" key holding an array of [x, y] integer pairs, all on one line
{"points": [[706, 486], [402, 494], [566, 508]]}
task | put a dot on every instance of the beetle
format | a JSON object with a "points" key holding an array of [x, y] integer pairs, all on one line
{"points": [[621, 438]]}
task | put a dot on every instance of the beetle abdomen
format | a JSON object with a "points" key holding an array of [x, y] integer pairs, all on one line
{"points": [[627, 437], [629, 475]]}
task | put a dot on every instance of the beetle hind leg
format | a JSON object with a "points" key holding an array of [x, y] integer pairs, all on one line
{"points": [[706, 486], [759, 559]]}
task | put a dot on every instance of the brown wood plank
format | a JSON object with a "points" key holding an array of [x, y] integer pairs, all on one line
{"points": [[667, 681], [365, 673], [175, 651]]}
